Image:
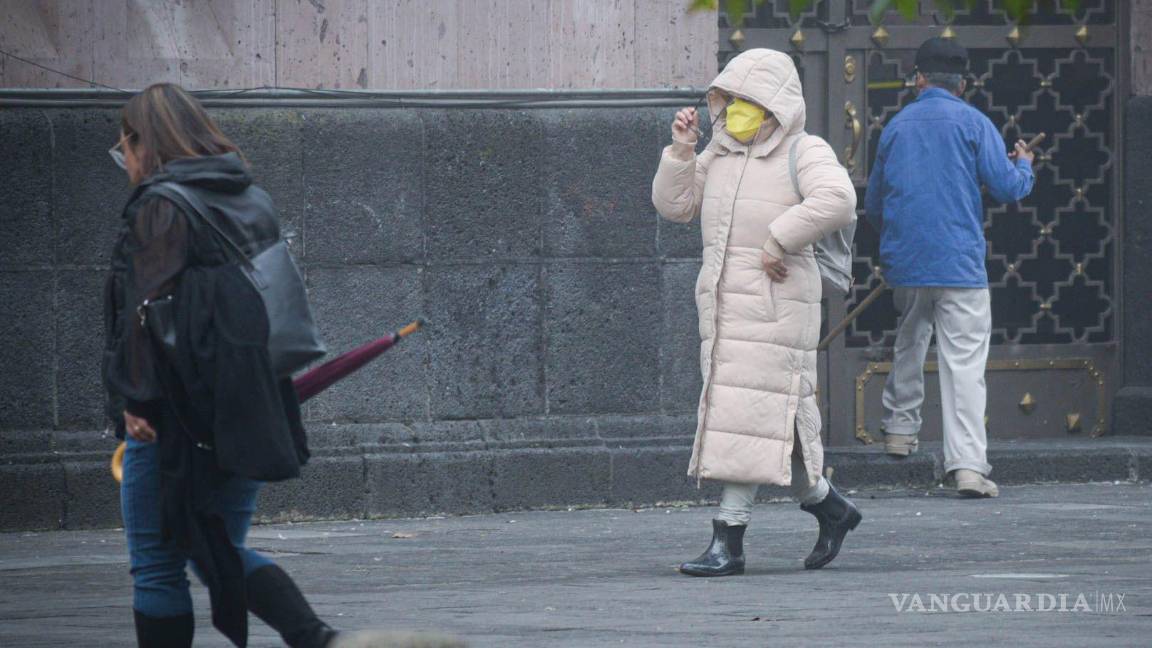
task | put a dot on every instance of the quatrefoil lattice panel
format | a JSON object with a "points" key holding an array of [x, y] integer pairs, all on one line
{"points": [[1050, 257], [992, 13]]}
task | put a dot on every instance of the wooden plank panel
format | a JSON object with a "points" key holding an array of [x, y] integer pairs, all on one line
{"points": [[593, 44], [504, 44], [674, 48], [412, 44], [322, 43], [53, 33]]}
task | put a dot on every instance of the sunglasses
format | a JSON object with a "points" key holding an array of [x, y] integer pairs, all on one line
{"points": [[117, 153], [702, 104]]}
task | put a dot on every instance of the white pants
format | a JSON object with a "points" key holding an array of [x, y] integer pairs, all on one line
{"points": [[737, 500], [962, 318]]}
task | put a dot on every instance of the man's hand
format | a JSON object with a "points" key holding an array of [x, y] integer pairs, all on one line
{"points": [[686, 126], [774, 267], [1022, 152], [139, 429]]}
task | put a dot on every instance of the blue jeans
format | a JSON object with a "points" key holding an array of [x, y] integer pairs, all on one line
{"points": [[160, 583]]}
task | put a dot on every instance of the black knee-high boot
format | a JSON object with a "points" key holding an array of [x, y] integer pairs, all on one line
{"points": [[164, 632], [274, 597]]}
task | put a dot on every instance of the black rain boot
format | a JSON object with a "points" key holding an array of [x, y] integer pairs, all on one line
{"points": [[164, 632], [274, 597], [837, 516], [724, 557]]}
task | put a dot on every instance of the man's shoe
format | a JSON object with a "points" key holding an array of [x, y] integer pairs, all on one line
{"points": [[970, 483], [837, 516], [901, 445], [724, 557], [379, 639]]}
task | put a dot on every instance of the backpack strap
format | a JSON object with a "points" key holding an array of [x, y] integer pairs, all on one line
{"points": [[195, 208], [793, 162]]}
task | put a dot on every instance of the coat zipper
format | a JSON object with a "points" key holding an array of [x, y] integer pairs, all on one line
{"points": [[715, 320]]}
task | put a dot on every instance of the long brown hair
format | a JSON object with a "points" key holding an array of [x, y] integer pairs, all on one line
{"points": [[165, 122]]}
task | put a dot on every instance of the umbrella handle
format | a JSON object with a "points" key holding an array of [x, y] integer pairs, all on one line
{"points": [[118, 462], [411, 328]]}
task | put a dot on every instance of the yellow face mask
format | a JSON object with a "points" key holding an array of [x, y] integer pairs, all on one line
{"points": [[743, 119]]}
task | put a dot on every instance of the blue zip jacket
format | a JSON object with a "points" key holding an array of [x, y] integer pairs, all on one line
{"points": [[924, 192]]}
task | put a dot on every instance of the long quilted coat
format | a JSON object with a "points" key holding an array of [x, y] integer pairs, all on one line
{"points": [[758, 337]]}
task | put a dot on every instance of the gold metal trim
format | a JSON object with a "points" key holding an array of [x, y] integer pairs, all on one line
{"points": [[1072, 423], [1031, 364], [737, 39], [1028, 403], [849, 69], [1082, 35], [1014, 36], [880, 36], [797, 39], [852, 121]]}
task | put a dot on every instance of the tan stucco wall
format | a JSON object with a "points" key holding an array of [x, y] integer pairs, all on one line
{"points": [[394, 44]]}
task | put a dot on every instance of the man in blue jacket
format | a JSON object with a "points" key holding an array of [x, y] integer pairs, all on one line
{"points": [[924, 198]]}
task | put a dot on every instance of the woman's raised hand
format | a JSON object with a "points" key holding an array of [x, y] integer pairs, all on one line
{"points": [[686, 126]]}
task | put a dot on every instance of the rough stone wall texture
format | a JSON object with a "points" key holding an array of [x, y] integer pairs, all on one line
{"points": [[561, 308], [393, 45], [526, 237], [1132, 409]]}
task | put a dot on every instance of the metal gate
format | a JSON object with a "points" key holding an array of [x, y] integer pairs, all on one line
{"points": [[1052, 259]]}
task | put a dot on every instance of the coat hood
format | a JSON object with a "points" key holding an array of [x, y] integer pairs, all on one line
{"points": [[768, 78], [225, 173]]}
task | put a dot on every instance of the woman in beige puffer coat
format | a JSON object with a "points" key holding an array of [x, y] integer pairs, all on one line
{"points": [[758, 296]]}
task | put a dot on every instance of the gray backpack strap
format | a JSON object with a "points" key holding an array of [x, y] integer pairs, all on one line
{"points": [[793, 162]]}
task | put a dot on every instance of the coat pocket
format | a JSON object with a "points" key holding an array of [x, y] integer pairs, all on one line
{"points": [[768, 296], [705, 304]]}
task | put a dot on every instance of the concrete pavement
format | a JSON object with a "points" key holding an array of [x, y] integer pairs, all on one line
{"points": [[587, 578]]}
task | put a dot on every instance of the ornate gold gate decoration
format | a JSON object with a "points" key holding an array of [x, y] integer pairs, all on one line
{"points": [[1052, 259]]}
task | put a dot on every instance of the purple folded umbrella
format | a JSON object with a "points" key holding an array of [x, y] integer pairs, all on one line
{"points": [[314, 381]]}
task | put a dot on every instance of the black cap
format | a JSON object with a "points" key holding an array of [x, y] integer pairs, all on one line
{"points": [[942, 55]]}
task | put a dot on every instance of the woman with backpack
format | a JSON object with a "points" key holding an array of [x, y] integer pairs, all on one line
{"points": [[192, 384], [758, 296]]}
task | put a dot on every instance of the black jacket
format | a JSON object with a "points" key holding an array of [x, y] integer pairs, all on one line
{"points": [[156, 243], [217, 405]]}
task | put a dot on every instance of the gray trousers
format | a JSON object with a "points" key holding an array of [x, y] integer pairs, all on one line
{"points": [[737, 500], [962, 320]]}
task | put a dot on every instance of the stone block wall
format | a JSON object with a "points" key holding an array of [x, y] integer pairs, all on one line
{"points": [[563, 341]]}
